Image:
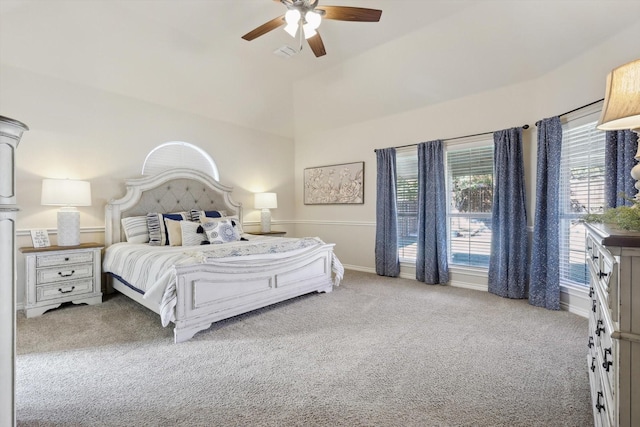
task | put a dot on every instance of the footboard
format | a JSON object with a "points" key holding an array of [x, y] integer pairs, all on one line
{"points": [[206, 294]]}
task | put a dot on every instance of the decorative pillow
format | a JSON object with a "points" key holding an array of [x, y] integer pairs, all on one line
{"points": [[220, 231], [157, 231], [190, 234], [196, 214], [135, 229], [174, 232], [234, 220]]}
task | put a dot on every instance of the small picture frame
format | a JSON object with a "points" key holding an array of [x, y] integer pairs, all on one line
{"points": [[40, 238]]}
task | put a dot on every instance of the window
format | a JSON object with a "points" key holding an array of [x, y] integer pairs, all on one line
{"points": [[407, 200], [470, 190], [581, 191], [470, 200]]}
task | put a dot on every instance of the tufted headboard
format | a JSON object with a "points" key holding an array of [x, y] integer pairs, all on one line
{"points": [[172, 190]]}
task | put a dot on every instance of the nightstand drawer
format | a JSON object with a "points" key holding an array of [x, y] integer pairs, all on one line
{"points": [[63, 273], [63, 290], [64, 259]]}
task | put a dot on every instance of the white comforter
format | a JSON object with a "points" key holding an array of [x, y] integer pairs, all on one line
{"points": [[152, 269]]}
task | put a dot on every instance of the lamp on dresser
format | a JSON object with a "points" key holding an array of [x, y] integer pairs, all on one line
{"points": [[68, 194], [265, 202], [621, 108]]}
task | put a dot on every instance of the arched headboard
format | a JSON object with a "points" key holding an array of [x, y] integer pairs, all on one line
{"points": [[172, 190]]}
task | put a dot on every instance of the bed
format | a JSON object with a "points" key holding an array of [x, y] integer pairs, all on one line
{"points": [[194, 285]]}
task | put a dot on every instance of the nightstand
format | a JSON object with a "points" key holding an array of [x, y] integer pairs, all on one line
{"points": [[269, 233], [59, 274]]}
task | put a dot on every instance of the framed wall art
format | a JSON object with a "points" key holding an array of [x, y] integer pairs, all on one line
{"points": [[334, 184]]}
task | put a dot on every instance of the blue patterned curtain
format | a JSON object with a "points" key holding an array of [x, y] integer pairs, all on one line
{"points": [[431, 261], [621, 146], [544, 285], [387, 259], [508, 272]]}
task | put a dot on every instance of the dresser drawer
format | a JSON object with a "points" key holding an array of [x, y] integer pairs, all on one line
{"points": [[63, 273], [64, 259], [64, 290]]}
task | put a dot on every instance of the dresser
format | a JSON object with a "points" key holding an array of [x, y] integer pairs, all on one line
{"points": [[59, 274], [613, 359]]}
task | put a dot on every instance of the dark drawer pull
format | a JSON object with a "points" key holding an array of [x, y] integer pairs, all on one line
{"points": [[66, 258], [66, 275], [602, 274], [594, 257], [66, 292], [590, 292], [607, 363], [591, 344], [593, 305], [598, 328], [593, 364], [599, 406]]}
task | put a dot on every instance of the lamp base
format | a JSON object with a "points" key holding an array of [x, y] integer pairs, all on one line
{"points": [[265, 220], [68, 227]]}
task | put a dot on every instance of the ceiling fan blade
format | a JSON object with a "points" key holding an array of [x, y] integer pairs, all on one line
{"points": [[264, 28], [346, 13], [316, 45]]}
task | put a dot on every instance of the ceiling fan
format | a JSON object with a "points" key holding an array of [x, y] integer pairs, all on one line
{"points": [[303, 17]]}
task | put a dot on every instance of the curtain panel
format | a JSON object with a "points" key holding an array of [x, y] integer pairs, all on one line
{"points": [[508, 272], [544, 287], [386, 249], [431, 260], [620, 148]]}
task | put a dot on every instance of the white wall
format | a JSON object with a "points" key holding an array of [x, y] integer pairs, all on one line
{"points": [[576, 83], [83, 133]]}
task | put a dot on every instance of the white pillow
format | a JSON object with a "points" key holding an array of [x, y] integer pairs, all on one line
{"points": [[190, 235], [220, 231], [135, 229]]}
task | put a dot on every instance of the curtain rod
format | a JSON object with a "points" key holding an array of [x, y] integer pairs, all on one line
{"points": [[579, 108], [451, 139]]}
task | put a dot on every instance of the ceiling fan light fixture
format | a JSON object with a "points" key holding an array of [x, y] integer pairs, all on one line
{"points": [[309, 31], [313, 19], [292, 18], [292, 29]]}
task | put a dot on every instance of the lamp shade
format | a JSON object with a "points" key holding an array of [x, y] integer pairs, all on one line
{"points": [[266, 201], [65, 192], [621, 108]]}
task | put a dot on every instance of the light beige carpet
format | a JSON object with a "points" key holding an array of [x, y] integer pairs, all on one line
{"points": [[375, 352]]}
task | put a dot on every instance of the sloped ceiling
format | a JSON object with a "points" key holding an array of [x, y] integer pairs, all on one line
{"points": [[188, 54]]}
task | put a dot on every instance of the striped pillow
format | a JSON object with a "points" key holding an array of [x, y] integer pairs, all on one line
{"points": [[135, 229], [196, 214], [190, 235], [157, 231]]}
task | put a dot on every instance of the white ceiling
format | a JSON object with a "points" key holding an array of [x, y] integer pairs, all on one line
{"points": [[188, 54]]}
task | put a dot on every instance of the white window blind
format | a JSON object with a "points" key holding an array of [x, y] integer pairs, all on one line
{"points": [[407, 200], [470, 194], [581, 191]]}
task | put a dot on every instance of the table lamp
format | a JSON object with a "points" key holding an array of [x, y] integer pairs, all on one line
{"points": [[265, 201], [67, 193]]}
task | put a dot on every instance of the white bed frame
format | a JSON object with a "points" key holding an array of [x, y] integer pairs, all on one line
{"points": [[206, 294]]}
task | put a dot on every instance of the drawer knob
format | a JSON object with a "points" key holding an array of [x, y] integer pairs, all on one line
{"points": [[67, 291], [593, 305], [66, 258], [599, 329], [591, 344], [594, 257], [602, 274], [593, 364], [61, 274], [607, 363], [590, 292], [599, 406]]}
